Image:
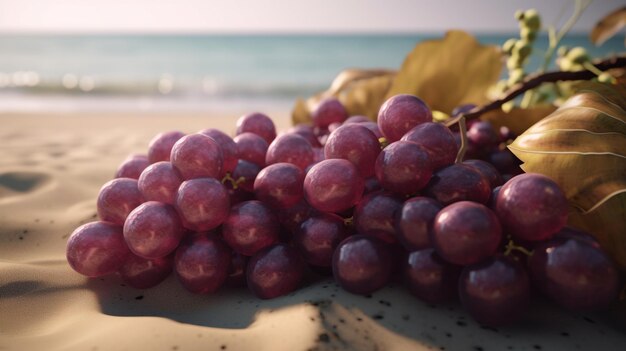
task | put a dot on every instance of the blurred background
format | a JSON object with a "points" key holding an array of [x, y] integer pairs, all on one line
{"points": [[232, 56]]}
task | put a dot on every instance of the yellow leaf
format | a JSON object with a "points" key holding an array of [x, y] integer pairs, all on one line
{"points": [[449, 72], [582, 146], [608, 26]]}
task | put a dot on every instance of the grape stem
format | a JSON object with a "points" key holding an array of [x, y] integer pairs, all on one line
{"points": [[510, 246], [463, 135], [234, 182], [534, 80]]}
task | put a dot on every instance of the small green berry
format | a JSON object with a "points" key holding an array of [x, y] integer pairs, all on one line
{"points": [[532, 20], [528, 34], [513, 62], [562, 51], [578, 55], [515, 76], [519, 15], [522, 48], [605, 77], [507, 47]]}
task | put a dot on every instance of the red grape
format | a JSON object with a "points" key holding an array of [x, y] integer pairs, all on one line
{"points": [[228, 146], [197, 156], [487, 170], [437, 139], [333, 185], [117, 198], [531, 207], [96, 249], [293, 216], [431, 278], [458, 182], [328, 111], [318, 237], [161, 145], [414, 222], [153, 230], [401, 113], [307, 132], [252, 148], [274, 271], [250, 227], [279, 185], [132, 167], [403, 168], [466, 233], [245, 174], [160, 182], [144, 273], [202, 203], [373, 127], [375, 215], [202, 263], [290, 148], [258, 124], [356, 119], [482, 134], [356, 144]]}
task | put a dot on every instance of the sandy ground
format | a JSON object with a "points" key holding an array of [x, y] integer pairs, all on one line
{"points": [[51, 168]]}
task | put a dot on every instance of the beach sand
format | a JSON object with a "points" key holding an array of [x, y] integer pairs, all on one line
{"points": [[51, 169]]}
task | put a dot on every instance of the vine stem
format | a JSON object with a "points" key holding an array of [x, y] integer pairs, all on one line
{"points": [[534, 80], [463, 135]]}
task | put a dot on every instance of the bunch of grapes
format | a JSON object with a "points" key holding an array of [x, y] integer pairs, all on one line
{"points": [[264, 211]]}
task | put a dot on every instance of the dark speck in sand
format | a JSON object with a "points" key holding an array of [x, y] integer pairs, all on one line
{"points": [[378, 316], [323, 337], [140, 297]]}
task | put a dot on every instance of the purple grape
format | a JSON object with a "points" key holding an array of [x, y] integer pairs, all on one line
{"points": [[290, 148], [202, 203], [373, 127], [506, 134], [437, 139], [504, 161], [573, 233], [252, 148], [250, 227], [575, 274], [96, 249], [293, 216], [318, 156], [375, 214], [143, 273], [403, 168], [153, 230], [117, 198], [258, 124], [132, 167], [531, 207], [466, 233], [401, 113], [279, 185], [307, 132], [228, 146], [357, 119], [362, 264], [160, 182], [488, 171], [202, 263], [237, 270], [333, 185], [371, 185], [494, 196], [356, 144], [430, 278], [245, 174], [414, 222], [458, 182], [482, 134], [197, 156], [274, 271], [318, 237], [160, 146], [328, 111], [496, 291]]}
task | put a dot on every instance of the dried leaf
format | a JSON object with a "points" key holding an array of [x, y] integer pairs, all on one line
{"points": [[582, 146], [608, 26], [449, 72]]}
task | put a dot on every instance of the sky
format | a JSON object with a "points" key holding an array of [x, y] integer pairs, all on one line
{"points": [[273, 16]]}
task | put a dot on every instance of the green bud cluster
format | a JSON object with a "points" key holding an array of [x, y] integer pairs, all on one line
{"points": [[573, 59]]}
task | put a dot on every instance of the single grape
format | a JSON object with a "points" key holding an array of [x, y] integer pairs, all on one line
{"points": [[437, 139], [403, 168], [252, 148], [362, 264], [488, 171], [291, 218], [318, 237], [290, 148], [458, 182], [333, 185], [144, 273], [429, 277], [531, 207], [371, 185], [496, 291], [250, 227], [202, 263], [245, 174], [401, 113], [202, 203], [376, 213], [153, 230], [96, 249], [504, 161], [482, 134], [414, 222], [274, 271], [466, 233], [132, 167], [373, 127], [228, 146], [506, 134], [117, 198], [197, 156], [258, 124], [160, 182], [160, 146], [307, 132], [328, 111], [279, 185], [356, 119], [356, 144], [575, 274]]}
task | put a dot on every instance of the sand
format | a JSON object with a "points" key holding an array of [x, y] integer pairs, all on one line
{"points": [[51, 169]]}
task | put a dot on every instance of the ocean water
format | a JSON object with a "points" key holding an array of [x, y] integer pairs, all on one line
{"points": [[198, 72]]}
